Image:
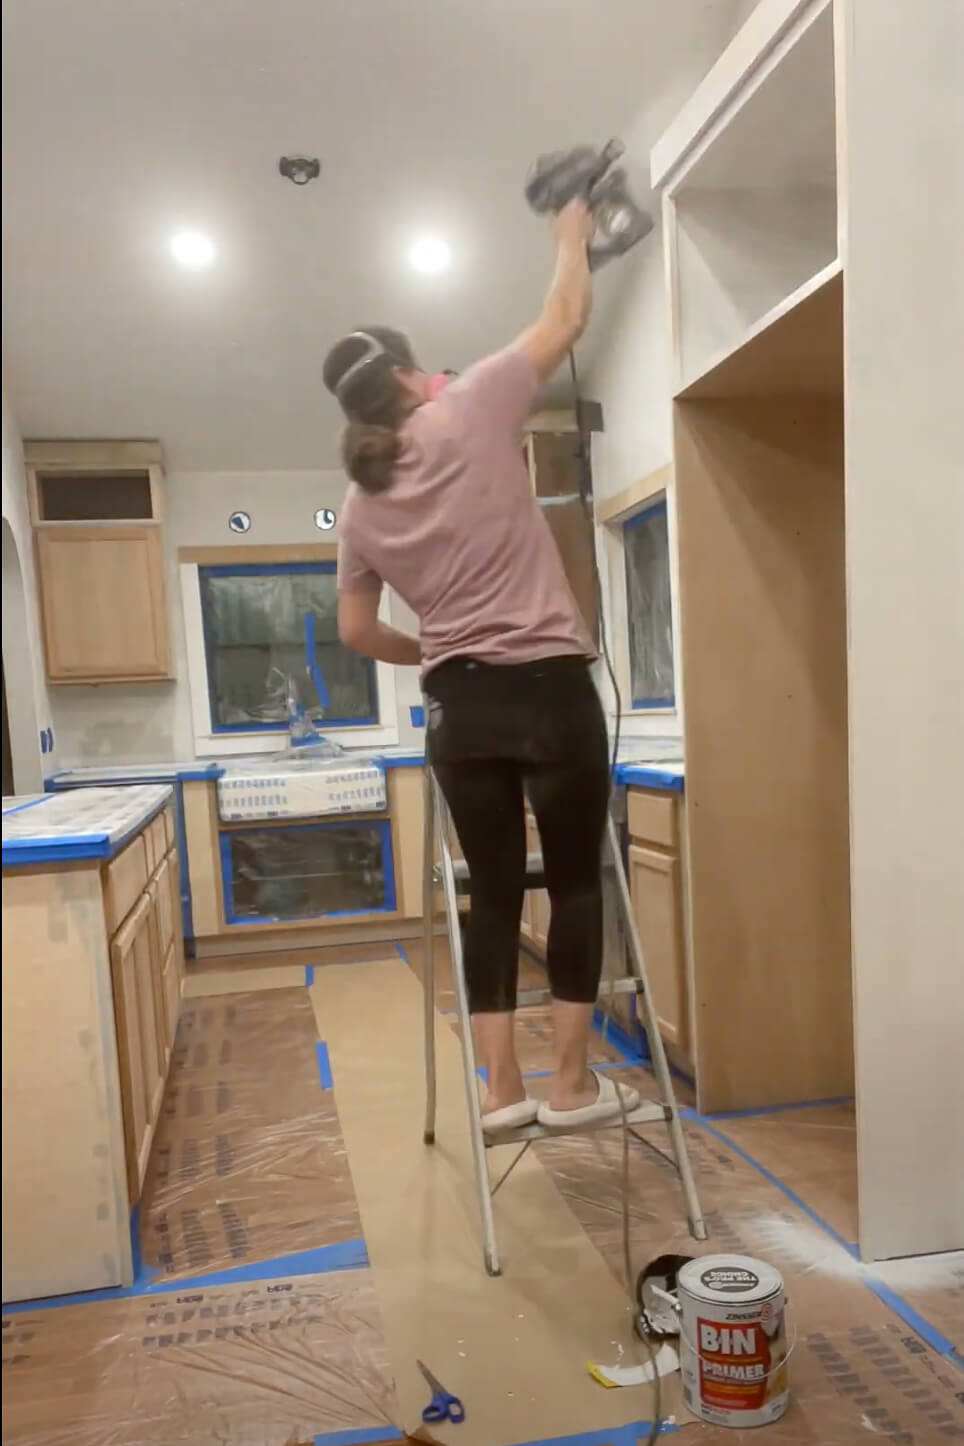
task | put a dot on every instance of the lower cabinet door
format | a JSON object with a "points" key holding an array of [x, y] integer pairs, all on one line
{"points": [[131, 953], [654, 886]]}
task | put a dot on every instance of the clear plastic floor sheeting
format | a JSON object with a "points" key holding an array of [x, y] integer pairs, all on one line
{"points": [[249, 1168]]}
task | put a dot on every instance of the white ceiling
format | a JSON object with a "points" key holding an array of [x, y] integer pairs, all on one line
{"points": [[124, 120]]}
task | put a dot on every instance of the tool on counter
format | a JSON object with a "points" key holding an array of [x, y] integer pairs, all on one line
{"points": [[443, 1405], [559, 177]]}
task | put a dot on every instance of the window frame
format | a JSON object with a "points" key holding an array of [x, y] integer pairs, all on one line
{"points": [[213, 741], [650, 508]]}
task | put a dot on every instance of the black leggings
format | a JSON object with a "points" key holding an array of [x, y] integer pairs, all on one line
{"points": [[495, 734]]}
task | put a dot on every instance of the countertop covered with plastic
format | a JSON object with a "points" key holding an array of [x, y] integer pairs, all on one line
{"points": [[89, 823]]}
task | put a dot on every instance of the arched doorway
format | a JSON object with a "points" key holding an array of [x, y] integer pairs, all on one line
{"points": [[21, 733]]}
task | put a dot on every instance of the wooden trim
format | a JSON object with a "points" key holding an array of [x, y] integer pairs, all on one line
{"points": [[203, 859], [556, 421], [92, 456], [284, 552], [302, 820], [616, 509]]}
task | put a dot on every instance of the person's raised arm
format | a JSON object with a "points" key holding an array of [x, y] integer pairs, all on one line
{"points": [[565, 310]]}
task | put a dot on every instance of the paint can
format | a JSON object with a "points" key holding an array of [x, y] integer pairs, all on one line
{"points": [[733, 1345]]}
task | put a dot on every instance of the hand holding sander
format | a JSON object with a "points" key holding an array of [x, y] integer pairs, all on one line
{"points": [[559, 177]]}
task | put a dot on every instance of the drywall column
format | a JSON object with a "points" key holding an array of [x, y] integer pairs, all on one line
{"points": [[27, 699], [901, 109]]}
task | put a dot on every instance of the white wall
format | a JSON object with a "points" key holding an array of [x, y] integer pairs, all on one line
{"points": [[142, 722], [28, 705], [903, 116], [630, 376]]}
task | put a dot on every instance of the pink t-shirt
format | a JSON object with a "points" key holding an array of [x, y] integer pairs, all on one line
{"points": [[459, 535]]}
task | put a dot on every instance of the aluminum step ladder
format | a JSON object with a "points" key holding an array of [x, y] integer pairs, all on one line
{"points": [[453, 876]]}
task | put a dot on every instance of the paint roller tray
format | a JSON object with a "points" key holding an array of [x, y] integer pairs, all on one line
{"points": [[300, 788]]}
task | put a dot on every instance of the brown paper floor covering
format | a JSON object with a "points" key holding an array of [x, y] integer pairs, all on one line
{"points": [[249, 1163]]}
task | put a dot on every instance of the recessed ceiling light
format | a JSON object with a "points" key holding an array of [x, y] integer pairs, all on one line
{"points": [[192, 248], [430, 254]]}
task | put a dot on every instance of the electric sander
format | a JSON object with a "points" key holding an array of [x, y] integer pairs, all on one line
{"points": [[559, 177]]}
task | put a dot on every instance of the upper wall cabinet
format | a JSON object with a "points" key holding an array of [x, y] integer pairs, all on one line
{"points": [[96, 511], [748, 173]]}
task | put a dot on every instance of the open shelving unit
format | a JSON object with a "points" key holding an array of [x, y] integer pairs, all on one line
{"points": [[812, 215], [755, 290]]}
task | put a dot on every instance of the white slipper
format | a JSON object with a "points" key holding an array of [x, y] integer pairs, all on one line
{"points": [[510, 1117], [605, 1106]]}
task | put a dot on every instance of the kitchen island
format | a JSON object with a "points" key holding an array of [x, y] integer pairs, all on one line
{"points": [[93, 969]]}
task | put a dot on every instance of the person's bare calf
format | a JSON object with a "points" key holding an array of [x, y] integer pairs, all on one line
{"points": [[572, 1084], [495, 1047]]}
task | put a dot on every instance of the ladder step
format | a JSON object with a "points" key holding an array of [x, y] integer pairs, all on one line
{"points": [[609, 986], [648, 1112], [535, 878]]}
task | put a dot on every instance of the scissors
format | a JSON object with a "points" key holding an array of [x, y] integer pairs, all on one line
{"points": [[443, 1405]]}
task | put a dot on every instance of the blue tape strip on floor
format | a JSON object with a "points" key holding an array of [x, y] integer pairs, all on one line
{"points": [[616, 1436], [343, 1255], [309, 975], [324, 1064], [633, 1051], [910, 1317], [933, 1337], [359, 1437], [779, 1109], [689, 1114]]}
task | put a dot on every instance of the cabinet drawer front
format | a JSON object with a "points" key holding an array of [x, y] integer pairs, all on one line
{"points": [[126, 878], [652, 817]]}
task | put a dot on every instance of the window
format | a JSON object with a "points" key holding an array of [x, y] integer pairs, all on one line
{"points": [[264, 623], [649, 610]]}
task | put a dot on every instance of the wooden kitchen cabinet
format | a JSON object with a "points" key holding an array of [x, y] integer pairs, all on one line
{"points": [[654, 886], [95, 508], [102, 602], [92, 978], [656, 889], [138, 1053]]}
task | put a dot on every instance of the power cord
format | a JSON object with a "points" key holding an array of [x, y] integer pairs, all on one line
{"points": [[585, 492]]}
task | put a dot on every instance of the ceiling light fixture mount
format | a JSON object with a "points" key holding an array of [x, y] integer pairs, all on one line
{"points": [[300, 169]]}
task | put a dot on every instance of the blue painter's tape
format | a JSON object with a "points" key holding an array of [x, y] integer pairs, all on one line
{"points": [[19, 807], [689, 1114], [400, 950], [632, 1050], [778, 1109], [401, 760], [616, 1436], [417, 714], [324, 1064], [343, 1255], [910, 1317], [309, 975], [646, 776], [359, 1437]]}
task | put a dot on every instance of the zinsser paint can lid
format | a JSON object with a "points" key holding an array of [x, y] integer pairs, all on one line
{"points": [[729, 1278]]}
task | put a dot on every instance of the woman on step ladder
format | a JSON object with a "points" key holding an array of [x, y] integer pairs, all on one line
{"points": [[441, 510]]}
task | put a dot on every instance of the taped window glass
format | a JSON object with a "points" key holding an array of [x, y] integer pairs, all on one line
{"points": [[649, 611], [264, 625]]}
